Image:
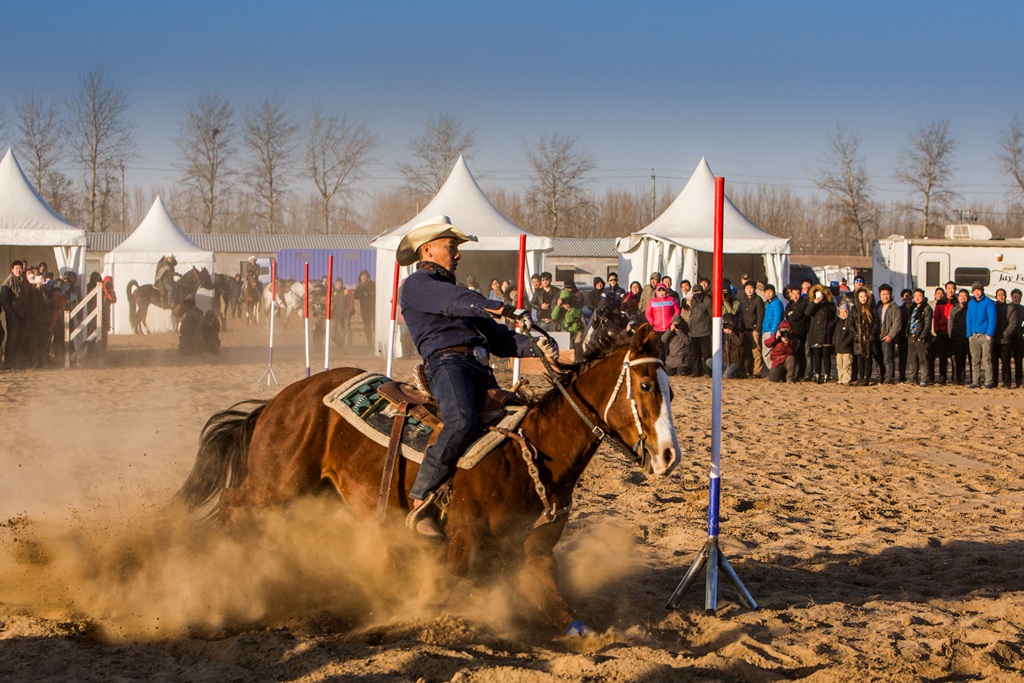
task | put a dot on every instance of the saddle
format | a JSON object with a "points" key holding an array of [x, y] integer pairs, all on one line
{"points": [[408, 399]]}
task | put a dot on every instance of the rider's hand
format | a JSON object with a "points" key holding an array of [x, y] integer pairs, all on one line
{"points": [[548, 347]]}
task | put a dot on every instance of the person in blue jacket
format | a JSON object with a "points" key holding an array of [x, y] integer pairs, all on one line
{"points": [[981, 328], [454, 329], [773, 312]]}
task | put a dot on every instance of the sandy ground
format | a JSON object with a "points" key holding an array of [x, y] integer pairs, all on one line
{"points": [[879, 529]]}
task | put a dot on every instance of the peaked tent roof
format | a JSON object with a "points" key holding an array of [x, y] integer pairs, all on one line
{"points": [[25, 218], [462, 200], [690, 220], [157, 235]]}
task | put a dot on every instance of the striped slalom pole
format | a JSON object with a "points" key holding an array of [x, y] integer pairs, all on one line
{"points": [[710, 556], [520, 275], [327, 320], [305, 313]]}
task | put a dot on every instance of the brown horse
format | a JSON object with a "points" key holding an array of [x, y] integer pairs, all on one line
{"points": [[140, 298], [250, 300], [293, 444]]}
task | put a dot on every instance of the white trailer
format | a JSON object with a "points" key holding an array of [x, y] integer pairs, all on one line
{"points": [[968, 254]]}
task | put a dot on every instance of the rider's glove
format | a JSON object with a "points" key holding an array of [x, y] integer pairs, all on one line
{"points": [[548, 347]]}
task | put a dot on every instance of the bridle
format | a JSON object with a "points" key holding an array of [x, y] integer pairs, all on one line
{"points": [[638, 454], [639, 449]]}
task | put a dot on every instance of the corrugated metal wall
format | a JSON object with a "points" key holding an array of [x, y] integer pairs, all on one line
{"points": [[347, 263]]}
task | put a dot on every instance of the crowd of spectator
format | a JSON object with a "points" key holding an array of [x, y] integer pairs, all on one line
{"points": [[806, 333], [811, 334], [33, 301]]}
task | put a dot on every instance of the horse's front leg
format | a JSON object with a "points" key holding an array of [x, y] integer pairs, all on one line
{"points": [[538, 579]]}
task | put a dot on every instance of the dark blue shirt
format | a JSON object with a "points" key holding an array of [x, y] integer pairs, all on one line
{"points": [[440, 314]]}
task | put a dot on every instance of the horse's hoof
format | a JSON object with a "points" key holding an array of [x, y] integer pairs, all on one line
{"points": [[577, 629]]}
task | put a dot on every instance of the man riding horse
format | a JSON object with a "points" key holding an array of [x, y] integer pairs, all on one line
{"points": [[164, 280], [453, 329]]}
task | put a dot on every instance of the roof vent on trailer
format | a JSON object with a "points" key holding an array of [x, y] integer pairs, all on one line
{"points": [[968, 232]]}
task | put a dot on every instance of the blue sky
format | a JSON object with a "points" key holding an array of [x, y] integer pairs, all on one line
{"points": [[753, 86]]}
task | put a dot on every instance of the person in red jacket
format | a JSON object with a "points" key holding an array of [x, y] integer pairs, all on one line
{"points": [[660, 311], [942, 348], [782, 348]]}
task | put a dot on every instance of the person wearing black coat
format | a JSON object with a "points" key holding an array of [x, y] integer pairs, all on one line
{"points": [[821, 314], [958, 337], [752, 320], [865, 331], [678, 351], [796, 315], [700, 329], [842, 342]]}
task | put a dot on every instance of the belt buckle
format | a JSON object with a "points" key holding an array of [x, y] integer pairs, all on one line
{"points": [[481, 356]]}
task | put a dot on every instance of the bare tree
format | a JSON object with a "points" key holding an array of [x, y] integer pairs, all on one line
{"points": [[437, 151], [269, 133], [41, 138], [927, 166], [845, 180], [1010, 153], [337, 152], [100, 133], [207, 144], [560, 179]]}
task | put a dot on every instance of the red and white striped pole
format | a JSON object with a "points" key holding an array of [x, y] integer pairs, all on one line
{"points": [[391, 323], [520, 275], [305, 313], [327, 322], [710, 556]]}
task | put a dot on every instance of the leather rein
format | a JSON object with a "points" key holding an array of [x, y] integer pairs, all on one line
{"points": [[638, 453]]}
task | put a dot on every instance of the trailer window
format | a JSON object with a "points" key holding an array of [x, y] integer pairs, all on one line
{"points": [[965, 277], [932, 274]]}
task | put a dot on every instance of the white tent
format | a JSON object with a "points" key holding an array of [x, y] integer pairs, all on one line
{"points": [[136, 258], [680, 242], [30, 229], [494, 256]]}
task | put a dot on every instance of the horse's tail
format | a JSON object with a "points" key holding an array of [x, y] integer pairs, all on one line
{"points": [[223, 454], [133, 306]]}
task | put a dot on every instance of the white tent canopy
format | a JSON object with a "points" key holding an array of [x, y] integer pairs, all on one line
{"points": [[27, 223], [495, 255], [678, 240], [136, 258]]}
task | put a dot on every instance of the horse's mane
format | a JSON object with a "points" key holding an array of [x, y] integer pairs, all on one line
{"points": [[568, 372]]}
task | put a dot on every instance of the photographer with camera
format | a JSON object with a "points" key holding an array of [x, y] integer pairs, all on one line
{"points": [[781, 356]]}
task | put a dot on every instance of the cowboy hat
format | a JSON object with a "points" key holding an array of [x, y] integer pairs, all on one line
{"points": [[429, 230]]}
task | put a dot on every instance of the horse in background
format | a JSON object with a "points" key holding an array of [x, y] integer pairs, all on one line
{"points": [[605, 326], [290, 296], [140, 298], [249, 299], [223, 297]]}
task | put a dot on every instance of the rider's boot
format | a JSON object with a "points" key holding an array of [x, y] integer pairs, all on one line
{"points": [[423, 518]]}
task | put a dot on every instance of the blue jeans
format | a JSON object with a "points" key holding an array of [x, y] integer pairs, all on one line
{"points": [[460, 384], [888, 360]]}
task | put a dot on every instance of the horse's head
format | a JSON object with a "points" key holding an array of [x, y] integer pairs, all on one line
{"points": [[205, 281], [639, 409]]}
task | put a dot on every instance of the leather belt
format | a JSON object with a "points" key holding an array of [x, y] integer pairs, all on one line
{"points": [[450, 349], [477, 353]]}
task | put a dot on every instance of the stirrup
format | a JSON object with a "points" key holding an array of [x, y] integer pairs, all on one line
{"points": [[418, 521]]}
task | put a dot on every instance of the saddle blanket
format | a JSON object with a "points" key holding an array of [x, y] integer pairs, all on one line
{"points": [[359, 403]]}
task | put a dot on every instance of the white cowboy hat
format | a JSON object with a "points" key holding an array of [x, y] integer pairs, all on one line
{"points": [[433, 228]]}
